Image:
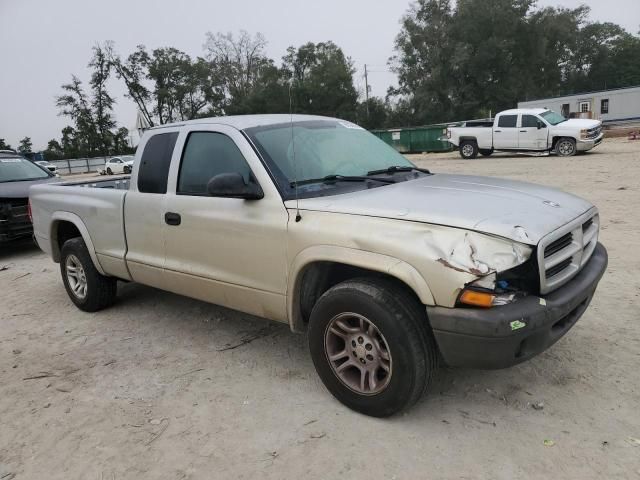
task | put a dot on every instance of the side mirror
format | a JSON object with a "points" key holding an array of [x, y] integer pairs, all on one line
{"points": [[541, 125], [232, 185]]}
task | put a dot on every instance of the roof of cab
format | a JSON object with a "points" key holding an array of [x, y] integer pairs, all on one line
{"points": [[532, 111], [242, 122]]}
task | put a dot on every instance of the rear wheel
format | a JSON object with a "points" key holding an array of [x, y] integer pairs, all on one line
{"points": [[371, 346], [87, 288], [468, 149], [566, 147], [109, 171]]}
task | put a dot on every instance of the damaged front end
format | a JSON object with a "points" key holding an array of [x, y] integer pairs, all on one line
{"points": [[498, 271]]}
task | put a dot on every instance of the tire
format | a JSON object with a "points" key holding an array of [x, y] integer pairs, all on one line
{"points": [[400, 325], [566, 147], [486, 153], [99, 291], [468, 149], [109, 171], [126, 170]]}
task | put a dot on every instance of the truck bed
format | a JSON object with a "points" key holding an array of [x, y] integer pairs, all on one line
{"points": [[97, 206]]}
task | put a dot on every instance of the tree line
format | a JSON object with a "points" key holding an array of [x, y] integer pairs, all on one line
{"points": [[454, 60]]}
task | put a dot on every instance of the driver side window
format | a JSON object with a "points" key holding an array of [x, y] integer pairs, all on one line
{"points": [[205, 155], [530, 121]]}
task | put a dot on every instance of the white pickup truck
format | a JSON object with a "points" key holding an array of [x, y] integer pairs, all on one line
{"points": [[526, 130], [315, 222]]}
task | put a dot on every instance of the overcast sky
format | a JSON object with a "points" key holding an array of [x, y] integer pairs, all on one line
{"points": [[42, 42]]}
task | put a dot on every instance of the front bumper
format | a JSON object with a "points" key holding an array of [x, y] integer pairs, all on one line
{"points": [[584, 145], [479, 338]]}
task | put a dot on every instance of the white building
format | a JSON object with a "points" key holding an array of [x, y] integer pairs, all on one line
{"points": [[617, 105]]}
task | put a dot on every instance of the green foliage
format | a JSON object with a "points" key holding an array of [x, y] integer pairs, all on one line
{"points": [[484, 56], [4, 145], [322, 80], [25, 145]]}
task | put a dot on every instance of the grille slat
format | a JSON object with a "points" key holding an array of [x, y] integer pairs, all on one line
{"points": [[561, 243], [568, 250], [555, 270]]}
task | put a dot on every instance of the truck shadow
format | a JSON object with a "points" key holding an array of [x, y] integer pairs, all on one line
{"points": [[17, 249], [220, 336]]}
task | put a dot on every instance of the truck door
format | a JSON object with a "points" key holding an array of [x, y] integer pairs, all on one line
{"points": [[144, 209], [228, 251], [532, 134], [505, 133]]}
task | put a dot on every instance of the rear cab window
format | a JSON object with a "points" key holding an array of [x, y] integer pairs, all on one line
{"points": [[155, 162], [508, 121]]}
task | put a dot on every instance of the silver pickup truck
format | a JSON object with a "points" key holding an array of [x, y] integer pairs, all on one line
{"points": [[316, 223]]}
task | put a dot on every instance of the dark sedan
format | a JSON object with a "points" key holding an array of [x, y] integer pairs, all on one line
{"points": [[17, 174]]}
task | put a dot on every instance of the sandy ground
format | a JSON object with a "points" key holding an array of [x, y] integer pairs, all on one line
{"points": [[150, 389]]}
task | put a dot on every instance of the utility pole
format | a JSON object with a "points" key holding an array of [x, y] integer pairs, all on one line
{"points": [[366, 88]]}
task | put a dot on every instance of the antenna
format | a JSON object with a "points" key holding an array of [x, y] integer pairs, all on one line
{"points": [[293, 148]]}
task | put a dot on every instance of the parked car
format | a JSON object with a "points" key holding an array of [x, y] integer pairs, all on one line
{"points": [[316, 223], [119, 165], [48, 165], [526, 130], [17, 174]]}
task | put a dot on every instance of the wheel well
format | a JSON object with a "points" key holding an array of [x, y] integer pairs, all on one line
{"points": [[318, 277], [63, 231], [468, 139]]}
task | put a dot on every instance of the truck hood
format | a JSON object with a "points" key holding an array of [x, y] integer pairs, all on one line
{"points": [[580, 123], [21, 189], [520, 211]]}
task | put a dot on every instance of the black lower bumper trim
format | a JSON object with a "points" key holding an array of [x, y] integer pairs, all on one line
{"points": [[507, 335]]}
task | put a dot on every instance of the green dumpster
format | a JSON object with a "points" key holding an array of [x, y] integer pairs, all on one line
{"points": [[416, 139]]}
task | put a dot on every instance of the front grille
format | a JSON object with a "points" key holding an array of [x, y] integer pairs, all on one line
{"points": [[594, 132], [563, 253], [14, 219]]}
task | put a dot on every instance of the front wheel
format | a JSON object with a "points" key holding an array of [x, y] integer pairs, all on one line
{"points": [[127, 169], [371, 346], [468, 149], [566, 147], [87, 288]]}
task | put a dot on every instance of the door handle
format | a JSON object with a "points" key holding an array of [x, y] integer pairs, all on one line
{"points": [[523, 131], [171, 218], [497, 131]]}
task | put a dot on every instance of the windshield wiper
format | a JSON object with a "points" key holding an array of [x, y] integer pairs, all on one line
{"points": [[396, 169], [339, 178]]}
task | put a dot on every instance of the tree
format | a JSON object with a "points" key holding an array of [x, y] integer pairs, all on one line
{"points": [[423, 60], [25, 145], [75, 105], [375, 116], [4, 146], [482, 57], [54, 151], [133, 72], [237, 63], [322, 80], [101, 102]]}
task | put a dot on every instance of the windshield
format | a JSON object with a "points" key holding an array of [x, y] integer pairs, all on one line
{"points": [[20, 169], [552, 117], [322, 148]]}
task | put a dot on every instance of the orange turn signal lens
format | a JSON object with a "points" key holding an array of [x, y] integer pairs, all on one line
{"points": [[477, 299]]}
